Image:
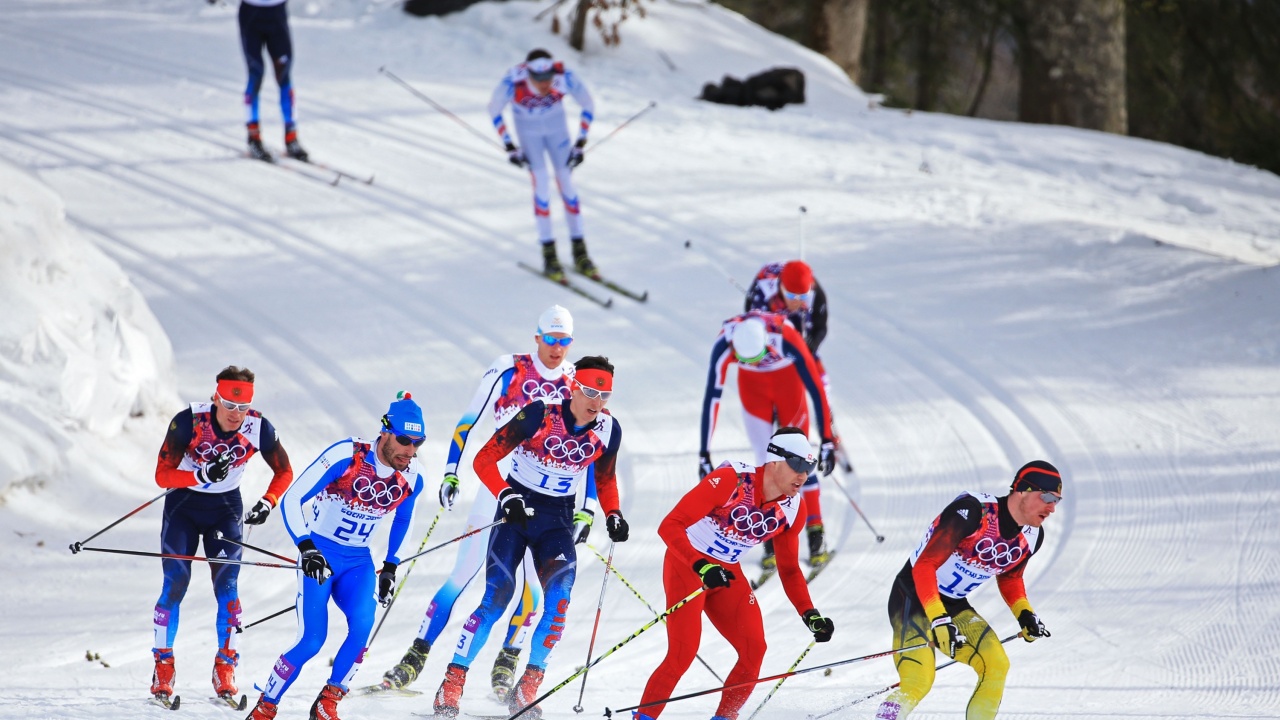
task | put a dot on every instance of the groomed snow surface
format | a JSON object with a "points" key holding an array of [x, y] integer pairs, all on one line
{"points": [[998, 293]]}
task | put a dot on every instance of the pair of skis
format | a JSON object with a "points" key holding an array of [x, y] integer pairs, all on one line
{"points": [[306, 168], [586, 292], [767, 574], [175, 702]]}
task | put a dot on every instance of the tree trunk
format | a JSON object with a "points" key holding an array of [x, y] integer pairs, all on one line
{"points": [[838, 29], [1073, 64], [578, 34]]}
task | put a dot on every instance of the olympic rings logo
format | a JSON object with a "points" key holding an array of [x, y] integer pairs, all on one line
{"points": [[570, 449], [1002, 555], [208, 451], [544, 390], [377, 492], [754, 522]]}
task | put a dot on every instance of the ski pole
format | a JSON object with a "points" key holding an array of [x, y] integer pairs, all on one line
{"points": [[422, 96], [276, 614], [463, 536], [171, 556], [794, 665], [886, 653], [255, 548], [720, 268], [879, 537], [886, 689], [652, 104], [652, 609], [404, 579], [608, 565], [78, 546], [679, 604]]}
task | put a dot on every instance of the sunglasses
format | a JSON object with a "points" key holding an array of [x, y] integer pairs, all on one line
{"points": [[799, 463], [552, 340], [807, 297], [1049, 498], [595, 394], [407, 440], [233, 407]]}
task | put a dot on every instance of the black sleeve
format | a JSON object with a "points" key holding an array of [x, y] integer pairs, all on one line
{"points": [[526, 422], [268, 438], [754, 300], [963, 516], [817, 319]]}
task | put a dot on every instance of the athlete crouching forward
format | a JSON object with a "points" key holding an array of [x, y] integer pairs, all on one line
{"points": [[733, 509]]}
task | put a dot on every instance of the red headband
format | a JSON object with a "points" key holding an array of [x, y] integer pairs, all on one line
{"points": [[594, 378], [236, 391]]}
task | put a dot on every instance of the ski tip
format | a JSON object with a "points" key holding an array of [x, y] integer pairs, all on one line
{"points": [[244, 703], [608, 303], [177, 701], [644, 297]]}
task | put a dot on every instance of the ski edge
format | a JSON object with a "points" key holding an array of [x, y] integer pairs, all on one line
{"points": [[620, 289]]}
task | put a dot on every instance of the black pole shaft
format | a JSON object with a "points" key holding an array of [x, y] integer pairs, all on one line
{"points": [[78, 546]]}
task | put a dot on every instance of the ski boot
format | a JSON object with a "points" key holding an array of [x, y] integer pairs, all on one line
{"points": [[818, 555], [264, 710], [163, 676], [224, 674], [326, 705], [769, 562], [525, 692], [889, 710], [450, 692], [551, 266], [292, 147], [406, 671], [503, 675], [582, 262], [256, 151]]}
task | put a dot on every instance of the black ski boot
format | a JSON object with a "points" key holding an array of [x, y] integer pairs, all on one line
{"points": [[406, 671], [503, 676], [581, 261], [769, 562], [292, 147], [551, 266], [818, 555], [256, 151]]}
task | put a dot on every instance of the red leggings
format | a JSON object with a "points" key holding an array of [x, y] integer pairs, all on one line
{"points": [[732, 610]]}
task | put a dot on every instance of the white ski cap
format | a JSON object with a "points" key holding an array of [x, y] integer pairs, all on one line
{"points": [[556, 319], [750, 340], [792, 442]]}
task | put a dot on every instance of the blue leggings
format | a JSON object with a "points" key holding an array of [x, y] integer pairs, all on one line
{"points": [[190, 517], [267, 27], [549, 535], [352, 589]]}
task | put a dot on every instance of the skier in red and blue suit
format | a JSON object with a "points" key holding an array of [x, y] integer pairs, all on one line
{"points": [[331, 513], [203, 459], [552, 445]]}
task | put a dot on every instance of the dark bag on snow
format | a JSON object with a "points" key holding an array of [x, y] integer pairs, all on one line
{"points": [[771, 89]]}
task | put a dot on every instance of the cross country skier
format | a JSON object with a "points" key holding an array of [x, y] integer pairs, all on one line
{"points": [[266, 23], [733, 509], [331, 513], [552, 445], [775, 370], [977, 537], [204, 456], [535, 89], [512, 382]]}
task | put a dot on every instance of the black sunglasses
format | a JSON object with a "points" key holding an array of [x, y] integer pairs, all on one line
{"points": [[407, 440], [799, 463]]}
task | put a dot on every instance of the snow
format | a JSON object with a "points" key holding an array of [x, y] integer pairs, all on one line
{"points": [[999, 293]]}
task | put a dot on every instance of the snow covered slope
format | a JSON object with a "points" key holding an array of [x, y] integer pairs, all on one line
{"points": [[998, 293]]}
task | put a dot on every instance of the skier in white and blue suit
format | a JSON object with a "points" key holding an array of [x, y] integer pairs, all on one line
{"points": [[331, 512]]}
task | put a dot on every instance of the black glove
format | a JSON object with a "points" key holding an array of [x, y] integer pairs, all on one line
{"points": [[1032, 628], [827, 457], [617, 527], [386, 583], [582, 525], [448, 490], [259, 513], [946, 635], [215, 471], [515, 156], [820, 626], [513, 508], [704, 465], [575, 154], [313, 563], [713, 575]]}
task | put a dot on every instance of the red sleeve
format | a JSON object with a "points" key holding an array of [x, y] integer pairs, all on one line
{"points": [[507, 438], [167, 473], [811, 376], [278, 460], [607, 480], [952, 529], [786, 549], [710, 493]]}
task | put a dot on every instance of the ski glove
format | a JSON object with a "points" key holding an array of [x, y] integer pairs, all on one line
{"points": [[1032, 628], [515, 156], [513, 508], [582, 525], [386, 583], [215, 471], [704, 465], [827, 457], [448, 490], [713, 575], [313, 563], [259, 513], [575, 154], [946, 635], [820, 626], [617, 527]]}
